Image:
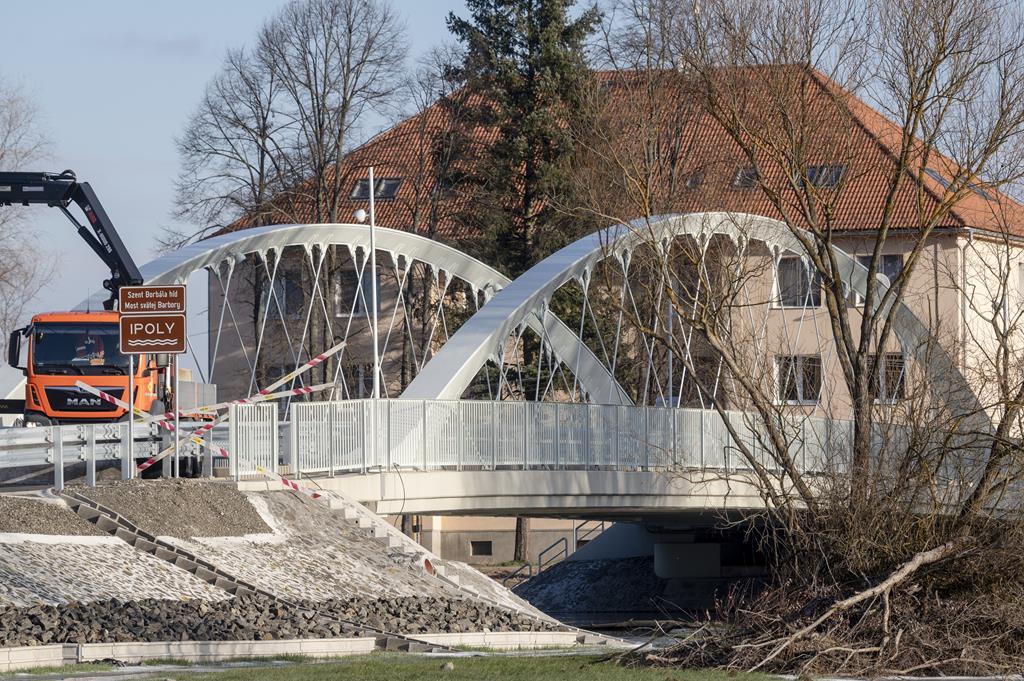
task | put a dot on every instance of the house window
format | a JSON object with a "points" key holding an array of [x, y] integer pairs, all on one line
{"points": [[887, 381], [798, 378], [745, 177], [346, 291], [384, 188], [825, 176], [288, 298], [891, 266], [796, 285], [693, 180], [481, 548]]}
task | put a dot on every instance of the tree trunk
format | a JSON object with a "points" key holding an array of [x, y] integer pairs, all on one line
{"points": [[407, 525], [522, 551]]}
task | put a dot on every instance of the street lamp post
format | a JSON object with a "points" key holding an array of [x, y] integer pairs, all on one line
{"points": [[373, 293]]}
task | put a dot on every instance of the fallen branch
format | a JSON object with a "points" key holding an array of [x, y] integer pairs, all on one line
{"points": [[898, 576]]}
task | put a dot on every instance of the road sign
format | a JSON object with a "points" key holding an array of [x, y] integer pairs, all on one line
{"points": [[152, 333], [151, 299]]}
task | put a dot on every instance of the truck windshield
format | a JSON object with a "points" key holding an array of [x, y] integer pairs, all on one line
{"points": [[83, 348]]}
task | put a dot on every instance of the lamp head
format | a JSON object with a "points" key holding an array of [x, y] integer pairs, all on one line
{"points": [[360, 216]]}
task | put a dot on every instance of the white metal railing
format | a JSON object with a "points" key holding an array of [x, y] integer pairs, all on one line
{"points": [[338, 437], [325, 438]]}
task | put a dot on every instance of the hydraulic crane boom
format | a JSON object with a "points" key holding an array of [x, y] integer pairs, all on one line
{"points": [[61, 190]]}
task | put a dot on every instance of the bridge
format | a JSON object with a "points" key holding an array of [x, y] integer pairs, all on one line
{"points": [[575, 390]]}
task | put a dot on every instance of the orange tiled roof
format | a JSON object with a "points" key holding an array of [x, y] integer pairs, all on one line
{"points": [[868, 146]]}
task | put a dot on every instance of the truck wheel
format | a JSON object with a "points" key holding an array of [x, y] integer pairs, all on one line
{"points": [[33, 418]]}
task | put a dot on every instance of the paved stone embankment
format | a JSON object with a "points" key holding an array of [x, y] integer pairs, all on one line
{"points": [[314, 554], [244, 618], [50, 555], [316, 568], [65, 572]]}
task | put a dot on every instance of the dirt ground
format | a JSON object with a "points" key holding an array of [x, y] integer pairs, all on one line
{"points": [[26, 515], [181, 508], [499, 572]]}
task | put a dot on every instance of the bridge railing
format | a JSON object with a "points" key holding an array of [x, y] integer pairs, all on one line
{"points": [[325, 438]]}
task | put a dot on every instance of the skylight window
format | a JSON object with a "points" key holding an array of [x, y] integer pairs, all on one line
{"points": [[745, 178], [693, 180], [935, 175], [973, 186], [384, 188], [979, 190], [826, 175]]}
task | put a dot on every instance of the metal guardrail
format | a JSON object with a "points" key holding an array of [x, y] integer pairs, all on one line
{"points": [[51, 455], [328, 438], [325, 438]]}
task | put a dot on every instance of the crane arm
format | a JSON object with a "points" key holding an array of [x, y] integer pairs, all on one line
{"points": [[60, 190]]}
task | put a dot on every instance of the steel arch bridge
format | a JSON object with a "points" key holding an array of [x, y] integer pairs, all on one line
{"points": [[551, 386], [496, 313]]}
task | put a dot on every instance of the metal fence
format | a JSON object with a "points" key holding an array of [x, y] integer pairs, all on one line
{"points": [[325, 438]]}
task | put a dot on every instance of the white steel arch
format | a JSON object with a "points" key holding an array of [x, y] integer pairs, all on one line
{"points": [[452, 369], [226, 250]]}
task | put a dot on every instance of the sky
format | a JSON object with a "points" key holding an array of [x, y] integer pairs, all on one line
{"points": [[115, 82]]}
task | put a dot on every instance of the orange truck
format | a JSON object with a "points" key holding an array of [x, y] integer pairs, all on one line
{"points": [[58, 349]]}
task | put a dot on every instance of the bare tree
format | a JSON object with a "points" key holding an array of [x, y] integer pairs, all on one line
{"points": [[336, 61], [21, 145], [232, 162], [265, 142], [929, 499]]}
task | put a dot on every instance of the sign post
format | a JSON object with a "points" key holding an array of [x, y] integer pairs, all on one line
{"points": [[152, 322]]}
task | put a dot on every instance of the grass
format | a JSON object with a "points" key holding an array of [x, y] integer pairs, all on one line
{"points": [[58, 669], [180, 662], [399, 667]]}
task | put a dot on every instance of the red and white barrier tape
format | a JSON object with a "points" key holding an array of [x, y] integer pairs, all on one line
{"points": [[290, 484], [164, 420], [262, 396], [107, 397], [194, 436], [206, 410]]}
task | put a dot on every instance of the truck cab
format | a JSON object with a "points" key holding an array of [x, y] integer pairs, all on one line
{"points": [[58, 349]]}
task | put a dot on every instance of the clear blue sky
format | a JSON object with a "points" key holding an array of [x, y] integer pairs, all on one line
{"points": [[115, 81]]}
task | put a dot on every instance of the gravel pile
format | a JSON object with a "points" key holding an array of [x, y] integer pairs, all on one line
{"points": [[180, 507], [243, 619], [621, 585], [30, 516]]}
